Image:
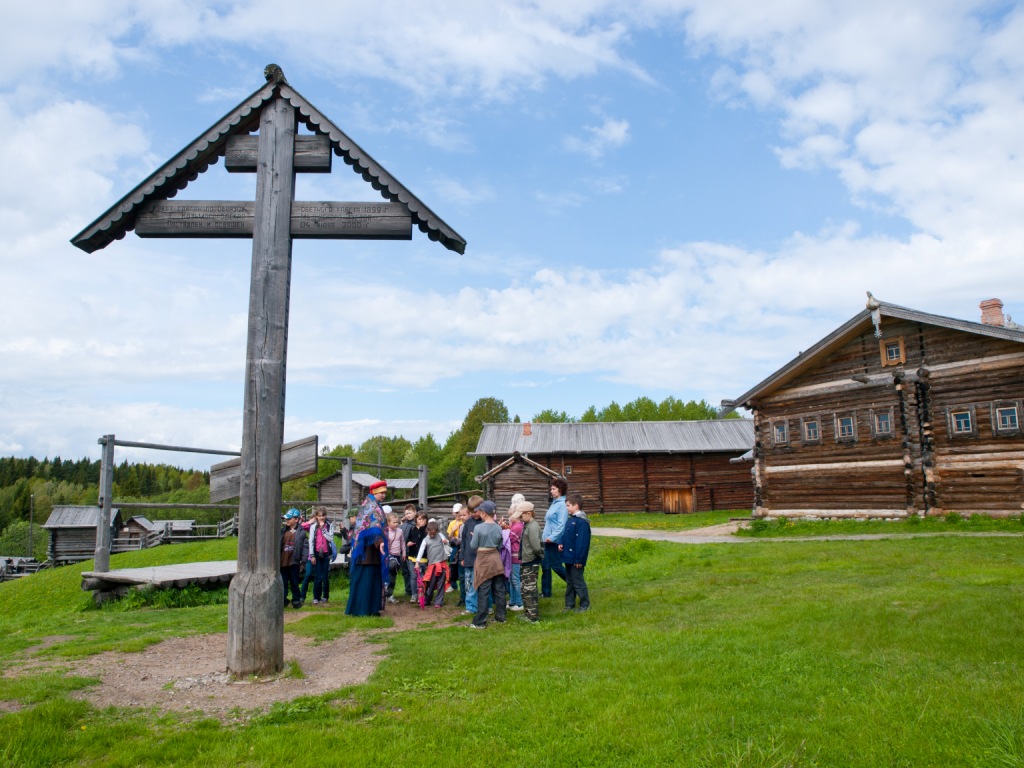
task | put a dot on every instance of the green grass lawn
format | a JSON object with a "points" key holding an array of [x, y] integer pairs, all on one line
{"points": [[879, 653], [945, 524], [659, 521]]}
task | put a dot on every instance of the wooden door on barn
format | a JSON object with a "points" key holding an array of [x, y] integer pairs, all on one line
{"points": [[677, 501]]}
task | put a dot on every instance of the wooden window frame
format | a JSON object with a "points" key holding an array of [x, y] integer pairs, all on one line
{"points": [[803, 430], [999, 405], [883, 351], [568, 469], [841, 438], [775, 424], [951, 414], [875, 434]]}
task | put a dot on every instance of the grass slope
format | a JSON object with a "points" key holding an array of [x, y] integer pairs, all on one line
{"points": [[881, 653]]}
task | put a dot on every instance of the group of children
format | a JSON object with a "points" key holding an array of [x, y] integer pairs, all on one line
{"points": [[493, 561], [307, 547]]}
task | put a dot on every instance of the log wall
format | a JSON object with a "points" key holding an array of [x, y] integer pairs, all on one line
{"points": [[922, 467], [633, 483]]}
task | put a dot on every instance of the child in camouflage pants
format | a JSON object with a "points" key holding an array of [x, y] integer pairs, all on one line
{"points": [[531, 553]]}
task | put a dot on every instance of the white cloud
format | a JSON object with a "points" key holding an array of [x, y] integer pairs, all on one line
{"points": [[915, 107], [599, 139], [914, 103]]}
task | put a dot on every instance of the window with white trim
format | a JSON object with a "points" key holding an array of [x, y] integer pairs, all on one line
{"points": [[780, 432], [961, 421], [1006, 418], [812, 431], [881, 424], [892, 351], [846, 428]]}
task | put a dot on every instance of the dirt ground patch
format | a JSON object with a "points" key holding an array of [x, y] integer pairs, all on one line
{"points": [[188, 674]]}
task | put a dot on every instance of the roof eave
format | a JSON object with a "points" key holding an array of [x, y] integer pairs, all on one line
{"points": [[849, 329]]}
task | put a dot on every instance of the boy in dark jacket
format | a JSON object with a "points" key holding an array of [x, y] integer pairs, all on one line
{"points": [[575, 547], [294, 551]]}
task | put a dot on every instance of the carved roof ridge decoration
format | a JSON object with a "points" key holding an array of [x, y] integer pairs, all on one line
{"points": [[200, 154], [857, 324]]}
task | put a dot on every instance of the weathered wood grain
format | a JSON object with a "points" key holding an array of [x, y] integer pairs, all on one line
{"points": [[298, 459], [313, 154], [255, 618], [309, 220]]}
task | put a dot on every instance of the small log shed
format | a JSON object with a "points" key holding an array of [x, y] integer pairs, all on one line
{"points": [[897, 412], [73, 532], [628, 466]]}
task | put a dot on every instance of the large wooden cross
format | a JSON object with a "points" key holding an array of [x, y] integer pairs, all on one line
{"points": [[255, 617]]}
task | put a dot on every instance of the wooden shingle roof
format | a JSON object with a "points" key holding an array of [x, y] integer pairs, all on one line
{"points": [[201, 153], [617, 437], [75, 516]]}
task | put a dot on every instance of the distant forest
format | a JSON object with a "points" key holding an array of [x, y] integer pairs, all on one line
{"points": [[28, 484]]}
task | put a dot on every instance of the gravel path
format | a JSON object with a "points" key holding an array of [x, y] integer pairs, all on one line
{"points": [[723, 534]]}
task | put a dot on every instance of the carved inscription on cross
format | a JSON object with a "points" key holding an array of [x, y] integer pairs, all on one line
{"points": [[273, 220]]}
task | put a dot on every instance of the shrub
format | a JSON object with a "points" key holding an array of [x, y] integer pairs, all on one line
{"points": [[191, 596]]}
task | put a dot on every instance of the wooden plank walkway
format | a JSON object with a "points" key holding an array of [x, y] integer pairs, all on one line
{"points": [[167, 576], [171, 576]]}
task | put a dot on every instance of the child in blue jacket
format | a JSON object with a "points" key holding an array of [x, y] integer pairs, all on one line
{"points": [[575, 547]]}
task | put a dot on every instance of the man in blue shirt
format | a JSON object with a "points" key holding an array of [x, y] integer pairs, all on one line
{"points": [[554, 524]]}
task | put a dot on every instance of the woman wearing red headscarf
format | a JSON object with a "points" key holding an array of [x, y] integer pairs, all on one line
{"points": [[369, 561]]}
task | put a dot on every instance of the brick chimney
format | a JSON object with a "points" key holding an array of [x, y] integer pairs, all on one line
{"points": [[992, 312], [527, 426]]}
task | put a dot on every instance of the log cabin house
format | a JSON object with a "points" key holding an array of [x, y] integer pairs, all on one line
{"points": [[631, 466], [895, 413]]}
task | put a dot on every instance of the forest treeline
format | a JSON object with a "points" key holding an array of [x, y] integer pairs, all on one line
{"points": [[28, 484]]}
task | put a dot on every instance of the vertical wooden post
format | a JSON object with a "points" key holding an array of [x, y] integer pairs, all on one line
{"points": [[424, 477], [346, 482], [255, 615], [102, 555]]}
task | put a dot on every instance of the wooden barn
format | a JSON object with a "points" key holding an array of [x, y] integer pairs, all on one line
{"points": [[73, 532], [896, 412], [629, 466], [142, 532]]}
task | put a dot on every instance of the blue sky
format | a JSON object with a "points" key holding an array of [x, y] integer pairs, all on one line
{"points": [[661, 197]]}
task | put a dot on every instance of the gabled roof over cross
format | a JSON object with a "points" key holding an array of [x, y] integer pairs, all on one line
{"points": [[203, 152]]}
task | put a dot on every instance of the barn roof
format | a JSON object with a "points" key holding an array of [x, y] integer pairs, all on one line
{"points": [[404, 483], [74, 516], [617, 437], [365, 479], [144, 522], [203, 152], [856, 326]]}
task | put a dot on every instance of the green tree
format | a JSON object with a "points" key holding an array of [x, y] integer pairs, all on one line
{"points": [[641, 409], [14, 541], [391, 451], [551, 416], [457, 469]]}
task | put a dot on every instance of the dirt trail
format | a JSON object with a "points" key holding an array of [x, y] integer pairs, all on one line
{"points": [[187, 674]]}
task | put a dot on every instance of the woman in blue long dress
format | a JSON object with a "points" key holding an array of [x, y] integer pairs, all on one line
{"points": [[369, 571]]}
